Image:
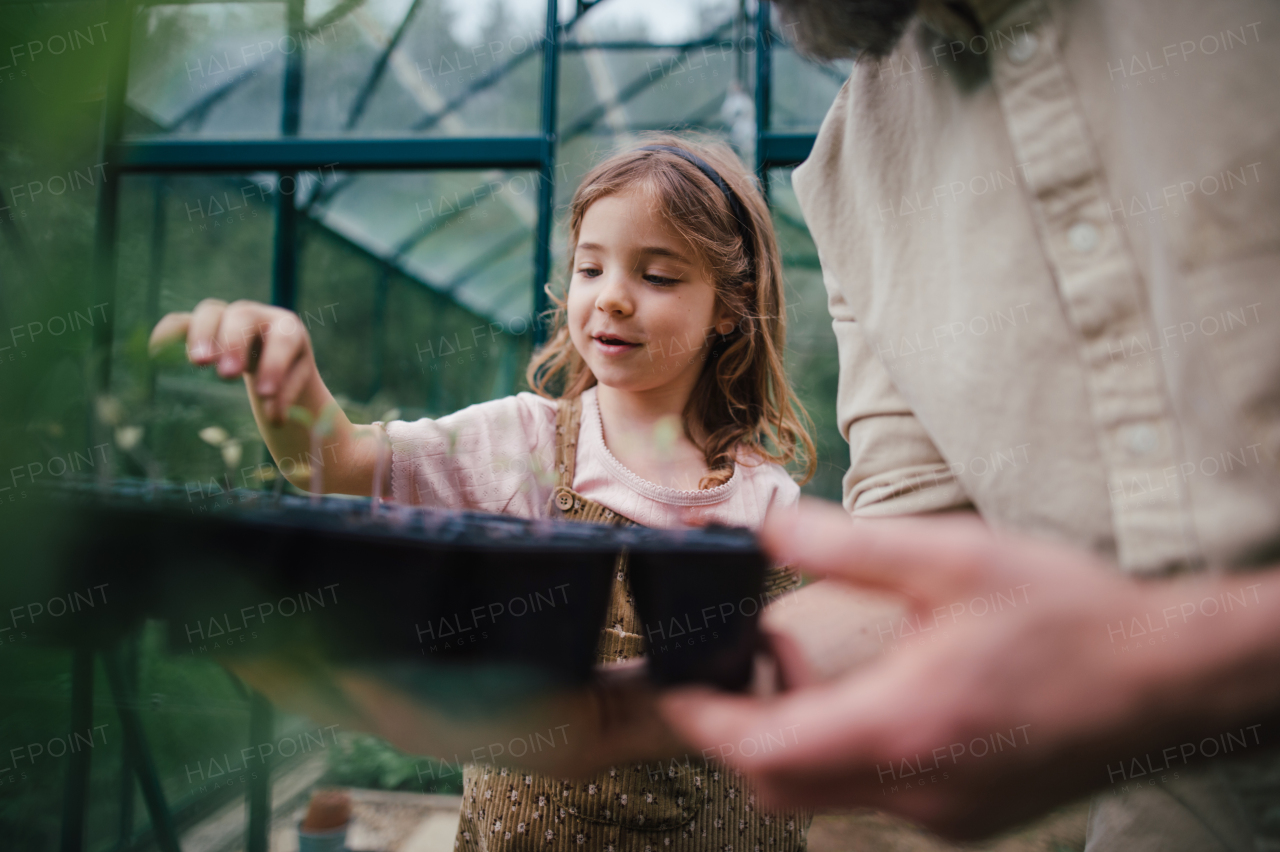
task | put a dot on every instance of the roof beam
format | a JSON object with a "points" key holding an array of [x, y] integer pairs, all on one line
{"points": [[180, 155]]}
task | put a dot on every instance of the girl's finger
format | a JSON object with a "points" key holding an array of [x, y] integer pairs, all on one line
{"points": [[238, 333], [283, 343], [172, 327], [291, 388], [205, 319]]}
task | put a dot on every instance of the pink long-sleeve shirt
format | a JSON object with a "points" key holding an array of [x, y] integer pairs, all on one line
{"points": [[498, 456]]}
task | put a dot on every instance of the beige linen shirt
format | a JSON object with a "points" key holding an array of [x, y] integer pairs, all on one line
{"points": [[1050, 233]]}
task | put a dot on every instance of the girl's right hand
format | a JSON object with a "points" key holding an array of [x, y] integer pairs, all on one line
{"points": [[247, 338]]}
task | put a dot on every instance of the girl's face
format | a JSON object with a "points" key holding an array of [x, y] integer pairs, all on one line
{"points": [[642, 308]]}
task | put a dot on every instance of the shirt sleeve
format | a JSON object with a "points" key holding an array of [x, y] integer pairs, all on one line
{"points": [[495, 456], [894, 467], [787, 493]]}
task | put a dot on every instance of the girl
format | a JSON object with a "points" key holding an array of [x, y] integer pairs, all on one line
{"points": [[660, 400]]}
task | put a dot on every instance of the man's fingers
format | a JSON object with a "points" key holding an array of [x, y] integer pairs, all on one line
{"points": [[794, 669], [831, 628], [925, 559], [203, 330], [824, 729], [171, 328], [703, 717], [759, 734], [759, 738]]}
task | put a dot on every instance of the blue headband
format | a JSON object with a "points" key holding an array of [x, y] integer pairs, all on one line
{"points": [[735, 204]]}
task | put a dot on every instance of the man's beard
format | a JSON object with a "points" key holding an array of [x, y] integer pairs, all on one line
{"points": [[842, 29]]}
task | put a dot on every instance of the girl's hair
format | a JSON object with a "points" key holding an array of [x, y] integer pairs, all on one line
{"points": [[742, 399]]}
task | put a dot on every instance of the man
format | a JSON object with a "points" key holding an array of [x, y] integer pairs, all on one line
{"points": [[1050, 232]]}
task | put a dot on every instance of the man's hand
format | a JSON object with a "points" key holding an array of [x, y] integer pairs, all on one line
{"points": [[567, 733], [825, 629], [1004, 689]]}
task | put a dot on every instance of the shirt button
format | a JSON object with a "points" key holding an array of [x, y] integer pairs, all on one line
{"points": [[1141, 440], [1083, 237], [1025, 45]]}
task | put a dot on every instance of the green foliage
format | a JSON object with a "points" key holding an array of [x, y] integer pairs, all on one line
{"points": [[362, 760]]}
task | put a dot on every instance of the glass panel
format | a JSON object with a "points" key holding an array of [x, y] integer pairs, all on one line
{"points": [[659, 22], [609, 92], [465, 234], [182, 239], [446, 75], [802, 90], [190, 712], [208, 69], [812, 360], [385, 342], [423, 281], [338, 286], [609, 95], [698, 84], [439, 357], [195, 716]]}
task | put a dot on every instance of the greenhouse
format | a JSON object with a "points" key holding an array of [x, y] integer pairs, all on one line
{"points": [[638, 425], [396, 173]]}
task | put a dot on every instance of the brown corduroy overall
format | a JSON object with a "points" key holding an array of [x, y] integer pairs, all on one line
{"points": [[690, 806]]}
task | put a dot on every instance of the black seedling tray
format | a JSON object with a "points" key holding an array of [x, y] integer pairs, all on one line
{"points": [[250, 573]]}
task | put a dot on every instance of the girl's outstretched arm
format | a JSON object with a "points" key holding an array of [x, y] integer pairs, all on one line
{"points": [[296, 414]]}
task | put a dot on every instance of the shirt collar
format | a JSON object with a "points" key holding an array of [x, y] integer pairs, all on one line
{"points": [[961, 18]]}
